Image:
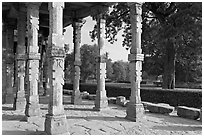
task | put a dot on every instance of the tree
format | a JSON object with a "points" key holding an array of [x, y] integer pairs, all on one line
{"points": [[109, 69], [88, 56], [165, 25], [120, 71]]}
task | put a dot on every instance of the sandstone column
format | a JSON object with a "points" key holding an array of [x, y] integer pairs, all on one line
{"points": [[101, 101], [55, 122], [32, 107], [76, 98], [20, 100], [10, 61], [135, 108]]}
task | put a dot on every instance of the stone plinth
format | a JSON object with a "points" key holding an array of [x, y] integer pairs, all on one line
{"points": [[55, 125], [188, 112], [134, 111]]}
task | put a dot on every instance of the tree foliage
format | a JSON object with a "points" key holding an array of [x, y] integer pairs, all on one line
{"points": [[171, 35]]}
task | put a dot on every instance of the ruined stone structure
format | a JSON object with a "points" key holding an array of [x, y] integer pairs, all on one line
{"points": [[20, 63]]}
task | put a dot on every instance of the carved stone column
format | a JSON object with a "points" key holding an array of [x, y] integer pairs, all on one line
{"points": [[135, 108], [20, 100], [4, 67], [101, 101], [76, 98], [10, 61], [55, 122], [32, 107]]}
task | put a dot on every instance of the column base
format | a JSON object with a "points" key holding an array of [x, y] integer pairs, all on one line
{"points": [[101, 104], [55, 125], [134, 111], [32, 106], [19, 103], [76, 98]]}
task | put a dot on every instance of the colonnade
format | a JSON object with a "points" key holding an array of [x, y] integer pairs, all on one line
{"points": [[27, 64]]}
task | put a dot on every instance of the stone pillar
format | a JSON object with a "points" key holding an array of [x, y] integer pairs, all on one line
{"points": [[55, 122], [135, 108], [76, 97], [20, 100], [10, 61], [101, 101], [4, 71], [32, 106]]}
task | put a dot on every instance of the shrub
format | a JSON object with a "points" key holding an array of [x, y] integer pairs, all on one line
{"points": [[173, 97]]}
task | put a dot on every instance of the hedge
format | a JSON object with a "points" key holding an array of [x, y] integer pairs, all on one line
{"points": [[173, 97]]}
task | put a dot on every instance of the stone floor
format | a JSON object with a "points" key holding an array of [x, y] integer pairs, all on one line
{"points": [[82, 120]]}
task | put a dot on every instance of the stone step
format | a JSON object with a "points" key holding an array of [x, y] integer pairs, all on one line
{"points": [[158, 108], [188, 112]]}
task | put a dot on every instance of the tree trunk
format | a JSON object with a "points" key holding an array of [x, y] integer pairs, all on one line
{"points": [[169, 66]]}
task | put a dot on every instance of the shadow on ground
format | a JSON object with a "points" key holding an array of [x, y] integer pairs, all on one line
{"points": [[27, 132], [105, 118], [6, 117], [173, 119], [177, 128]]}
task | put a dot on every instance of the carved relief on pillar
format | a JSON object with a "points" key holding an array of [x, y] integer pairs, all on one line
{"points": [[135, 108], [33, 25]]}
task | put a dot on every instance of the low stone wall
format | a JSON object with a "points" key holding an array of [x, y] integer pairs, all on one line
{"points": [[177, 97]]}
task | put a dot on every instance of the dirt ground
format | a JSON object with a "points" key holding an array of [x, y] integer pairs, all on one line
{"points": [[83, 120]]}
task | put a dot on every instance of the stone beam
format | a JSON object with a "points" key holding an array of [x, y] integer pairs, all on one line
{"points": [[101, 101], [20, 100], [76, 97], [55, 122], [32, 105], [135, 108]]}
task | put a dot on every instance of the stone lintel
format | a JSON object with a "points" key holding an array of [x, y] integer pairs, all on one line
{"points": [[33, 56], [101, 59], [136, 57]]}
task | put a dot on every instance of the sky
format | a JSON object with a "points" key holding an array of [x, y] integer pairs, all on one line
{"points": [[116, 50]]}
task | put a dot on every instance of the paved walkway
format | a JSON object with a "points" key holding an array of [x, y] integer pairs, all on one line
{"points": [[82, 120]]}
